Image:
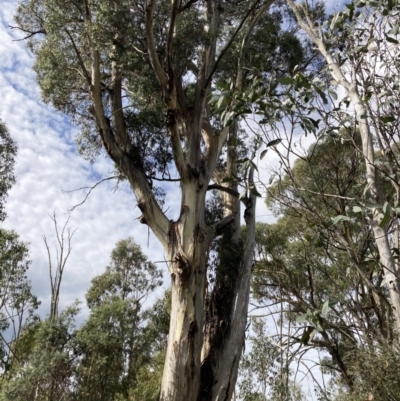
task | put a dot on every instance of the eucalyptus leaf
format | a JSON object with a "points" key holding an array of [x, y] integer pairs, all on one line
{"points": [[386, 215], [325, 308], [263, 153], [274, 142], [302, 318], [285, 80], [339, 219]]}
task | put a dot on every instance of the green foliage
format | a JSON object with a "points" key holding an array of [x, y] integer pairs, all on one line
{"points": [[62, 50], [8, 151], [157, 323], [148, 380], [333, 166], [318, 252], [377, 372], [47, 375], [130, 276], [108, 356], [113, 342], [271, 50], [265, 373], [18, 304], [319, 259]]}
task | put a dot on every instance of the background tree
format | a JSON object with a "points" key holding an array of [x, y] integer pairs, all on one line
{"points": [[47, 371], [8, 152], [340, 221], [114, 341], [17, 303], [149, 374], [352, 68], [63, 251], [322, 267], [265, 372], [104, 359]]}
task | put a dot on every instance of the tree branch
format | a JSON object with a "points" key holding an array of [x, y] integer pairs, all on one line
{"points": [[228, 45], [219, 225], [30, 33], [170, 38], [90, 190], [253, 23], [80, 61], [155, 62], [164, 179], [223, 189], [336, 72], [187, 5]]}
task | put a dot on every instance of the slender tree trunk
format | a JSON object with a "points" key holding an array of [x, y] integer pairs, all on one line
{"points": [[350, 86]]}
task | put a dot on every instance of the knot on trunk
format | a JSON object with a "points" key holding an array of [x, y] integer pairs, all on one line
{"points": [[192, 331], [170, 116], [183, 266], [194, 172]]}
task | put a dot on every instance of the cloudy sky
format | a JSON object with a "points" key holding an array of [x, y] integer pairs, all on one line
{"points": [[47, 166]]}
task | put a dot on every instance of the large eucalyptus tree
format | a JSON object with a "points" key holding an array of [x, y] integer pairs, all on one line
{"points": [[137, 75]]}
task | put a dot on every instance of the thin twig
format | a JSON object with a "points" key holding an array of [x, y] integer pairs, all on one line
{"points": [[90, 190]]}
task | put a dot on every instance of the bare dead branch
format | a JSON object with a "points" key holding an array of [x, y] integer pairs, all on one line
{"points": [[62, 256], [114, 177], [164, 179]]}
